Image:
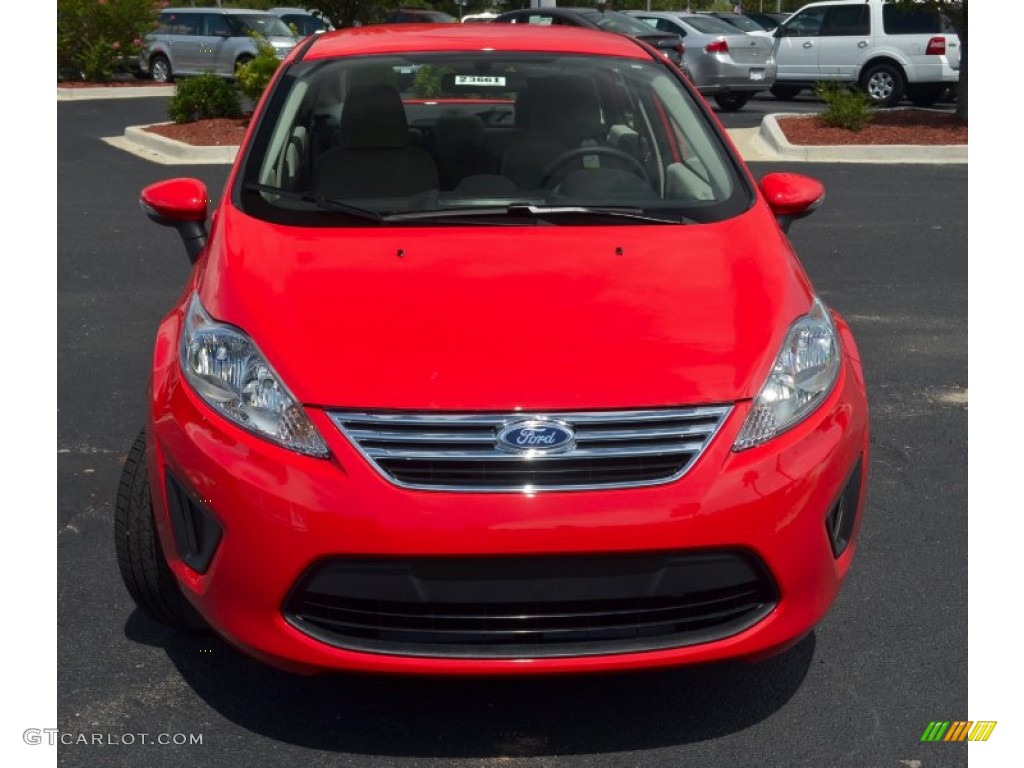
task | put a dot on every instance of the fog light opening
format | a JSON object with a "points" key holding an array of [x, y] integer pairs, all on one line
{"points": [[843, 514], [196, 532]]}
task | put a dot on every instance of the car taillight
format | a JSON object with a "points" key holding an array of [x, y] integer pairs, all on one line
{"points": [[936, 47], [717, 46]]}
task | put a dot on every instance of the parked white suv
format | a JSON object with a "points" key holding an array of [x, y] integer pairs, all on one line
{"points": [[888, 51]]}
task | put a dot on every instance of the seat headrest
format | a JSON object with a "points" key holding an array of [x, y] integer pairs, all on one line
{"points": [[373, 117], [455, 135], [565, 106]]}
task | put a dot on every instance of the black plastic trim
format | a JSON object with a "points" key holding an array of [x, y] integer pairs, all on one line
{"points": [[196, 531], [842, 515], [531, 607]]}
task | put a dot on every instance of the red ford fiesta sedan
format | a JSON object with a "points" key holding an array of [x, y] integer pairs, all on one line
{"points": [[494, 359]]}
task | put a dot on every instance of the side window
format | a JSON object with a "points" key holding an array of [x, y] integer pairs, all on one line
{"points": [[178, 24], [807, 23], [543, 19], [304, 25], [847, 20], [216, 24], [189, 24], [664, 25], [900, 21]]}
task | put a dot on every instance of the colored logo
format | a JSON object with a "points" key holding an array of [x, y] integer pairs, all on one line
{"points": [[536, 437], [958, 730]]}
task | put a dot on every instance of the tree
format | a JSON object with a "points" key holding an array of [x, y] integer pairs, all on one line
{"points": [[956, 12], [345, 13]]}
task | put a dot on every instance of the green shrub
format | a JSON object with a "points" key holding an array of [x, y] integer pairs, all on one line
{"points": [[254, 76], [427, 84], [96, 38], [202, 97], [846, 107]]}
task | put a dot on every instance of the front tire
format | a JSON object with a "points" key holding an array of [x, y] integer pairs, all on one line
{"points": [[731, 102], [883, 84], [160, 69], [144, 570]]}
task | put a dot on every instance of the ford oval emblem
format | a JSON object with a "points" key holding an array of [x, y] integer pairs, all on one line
{"points": [[536, 437]]}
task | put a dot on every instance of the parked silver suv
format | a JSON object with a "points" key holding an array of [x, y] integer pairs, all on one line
{"points": [[190, 41], [890, 52]]}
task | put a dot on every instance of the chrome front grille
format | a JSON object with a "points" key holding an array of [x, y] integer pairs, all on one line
{"points": [[461, 452]]}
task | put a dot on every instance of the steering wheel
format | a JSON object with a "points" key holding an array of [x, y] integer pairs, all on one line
{"points": [[566, 157]]}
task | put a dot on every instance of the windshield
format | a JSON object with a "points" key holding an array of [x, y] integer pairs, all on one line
{"points": [[611, 21], [744, 23], [492, 135], [306, 25], [267, 25], [709, 25]]}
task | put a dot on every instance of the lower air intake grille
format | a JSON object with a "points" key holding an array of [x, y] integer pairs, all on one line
{"points": [[533, 607], [463, 452]]}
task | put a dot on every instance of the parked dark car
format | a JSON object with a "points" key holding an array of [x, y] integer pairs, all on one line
{"points": [[670, 45], [304, 22], [418, 16], [767, 20], [740, 21]]}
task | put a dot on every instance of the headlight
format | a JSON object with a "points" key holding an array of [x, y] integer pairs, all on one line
{"points": [[228, 371], [803, 375]]}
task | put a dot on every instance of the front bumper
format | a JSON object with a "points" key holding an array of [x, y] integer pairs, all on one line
{"points": [[279, 514]]}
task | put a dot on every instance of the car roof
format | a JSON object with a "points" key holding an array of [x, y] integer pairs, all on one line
{"points": [[226, 11], [423, 38], [666, 14], [291, 11]]}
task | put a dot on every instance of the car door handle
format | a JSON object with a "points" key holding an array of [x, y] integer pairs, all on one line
{"points": [[862, 44], [808, 44]]}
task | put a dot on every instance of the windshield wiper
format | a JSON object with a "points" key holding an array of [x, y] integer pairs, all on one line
{"points": [[321, 202], [612, 212], [543, 212]]}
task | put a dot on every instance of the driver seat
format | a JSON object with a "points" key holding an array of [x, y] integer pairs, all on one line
{"points": [[564, 113]]}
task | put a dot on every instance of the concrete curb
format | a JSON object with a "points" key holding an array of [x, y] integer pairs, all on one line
{"points": [[773, 138], [89, 94], [166, 151], [764, 144], [160, 149]]}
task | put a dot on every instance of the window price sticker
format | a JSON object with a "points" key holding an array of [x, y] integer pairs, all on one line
{"points": [[484, 80]]}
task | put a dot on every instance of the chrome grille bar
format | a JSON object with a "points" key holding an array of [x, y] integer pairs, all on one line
{"points": [[461, 452]]}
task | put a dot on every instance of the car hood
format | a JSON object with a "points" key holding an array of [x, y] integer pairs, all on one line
{"points": [[492, 318]]}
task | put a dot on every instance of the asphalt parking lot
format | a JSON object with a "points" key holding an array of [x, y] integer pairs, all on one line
{"points": [[888, 249]]}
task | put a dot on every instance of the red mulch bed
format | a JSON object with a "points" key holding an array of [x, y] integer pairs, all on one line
{"points": [[216, 132], [900, 126]]}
